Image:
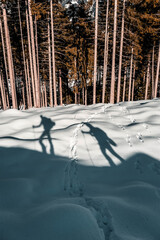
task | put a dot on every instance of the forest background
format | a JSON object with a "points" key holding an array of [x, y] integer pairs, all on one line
{"points": [[82, 52]]}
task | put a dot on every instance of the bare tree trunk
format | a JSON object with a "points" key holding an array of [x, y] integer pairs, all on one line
{"points": [[45, 93], [5, 59], [30, 60], [50, 67], [113, 54], [53, 56], [60, 88], [83, 95], [157, 73], [37, 52], [130, 77], [134, 70], [105, 54], [147, 80], [29, 86], [95, 54], [24, 59], [23, 95], [2, 88], [37, 83], [124, 85], [86, 96], [153, 73], [10, 59], [120, 55]]}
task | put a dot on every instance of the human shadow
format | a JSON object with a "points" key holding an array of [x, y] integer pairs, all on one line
{"points": [[104, 143], [47, 124]]}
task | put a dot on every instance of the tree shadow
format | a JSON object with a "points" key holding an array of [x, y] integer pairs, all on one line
{"points": [[104, 142], [47, 124]]}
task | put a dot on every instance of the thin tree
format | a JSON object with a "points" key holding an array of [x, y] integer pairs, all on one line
{"points": [[134, 71], [30, 59], [130, 76], [50, 67], [60, 87], [157, 73], [53, 55], [24, 59], [37, 83], [121, 53], [153, 72], [105, 54], [3, 94], [147, 80], [95, 54], [124, 85], [113, 54], [9, 58]]}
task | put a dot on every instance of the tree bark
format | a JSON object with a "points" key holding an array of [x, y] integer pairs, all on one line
{"points": [[124, 85], [153, 73], [157, 73], [130, 77], [121, 54], [147, 81], [105, 54], [113, 54], [10, 59], [95, 54], [2, 88], [50, 68], [29, 85], [134, 70], [53, 56], [37, 84], [24, 59], [30, 60], [60, 88]]}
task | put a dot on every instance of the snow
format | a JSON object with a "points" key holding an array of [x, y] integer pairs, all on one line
{"points": [[81, 172]]}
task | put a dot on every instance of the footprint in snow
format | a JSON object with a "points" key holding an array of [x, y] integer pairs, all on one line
{"points": [[139, 136], [155, 167], [128, 139]]}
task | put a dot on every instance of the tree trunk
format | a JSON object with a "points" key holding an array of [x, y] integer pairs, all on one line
{"points": [[95, 54], [37, 52], [5, 59], [50, 68], [105, 55], [29, 85], [153, 73], [53, 56], [124, 85], [10, 59], [134, 70], [23, 95], [2, 88], [30, 60], [130, 77], [147, 80], [157, 73], [24, 59], [60, 88], [86, 96], [37, 84], [113, 54], [45, 93], [120, 55]]}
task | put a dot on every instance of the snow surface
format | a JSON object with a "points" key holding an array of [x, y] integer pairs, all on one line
{"points": [[81, 173]]}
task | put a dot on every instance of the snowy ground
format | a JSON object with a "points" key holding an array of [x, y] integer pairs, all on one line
{"points": [[95, 175]]}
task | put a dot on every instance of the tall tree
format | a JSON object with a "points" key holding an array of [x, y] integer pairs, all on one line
{"points": [[95, 54]]}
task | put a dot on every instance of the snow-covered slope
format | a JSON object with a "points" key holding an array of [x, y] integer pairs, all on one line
{"points": [[81, 173]]}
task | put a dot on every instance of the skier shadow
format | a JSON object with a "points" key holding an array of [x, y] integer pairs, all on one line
{"points": [[104, 143], [47, 124]]}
